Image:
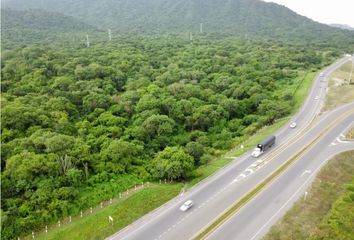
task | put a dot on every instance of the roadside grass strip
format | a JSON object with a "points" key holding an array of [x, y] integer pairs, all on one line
{"points": [[123, 212]]}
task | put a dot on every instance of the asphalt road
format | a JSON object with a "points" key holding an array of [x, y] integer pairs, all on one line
{"points": [[215, 194]]}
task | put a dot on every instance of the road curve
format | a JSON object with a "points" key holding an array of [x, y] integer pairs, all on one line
{"points": [[215, 194]]}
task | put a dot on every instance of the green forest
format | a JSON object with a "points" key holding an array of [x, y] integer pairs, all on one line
{"points": [[79, 125], [159, 101]]}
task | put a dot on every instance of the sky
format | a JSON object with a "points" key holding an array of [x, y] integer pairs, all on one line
{"points": [[323, 11]]}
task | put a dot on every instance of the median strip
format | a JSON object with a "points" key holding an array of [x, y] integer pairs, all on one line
{"points": [[234, 208]]}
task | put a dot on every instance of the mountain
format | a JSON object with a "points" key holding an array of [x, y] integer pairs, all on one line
{"points": [[342, 26], [253, 18], [33, 25]]}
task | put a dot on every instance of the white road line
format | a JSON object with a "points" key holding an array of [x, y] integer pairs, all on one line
{"points": [[305, 172], [277, 212], [292, 196]]}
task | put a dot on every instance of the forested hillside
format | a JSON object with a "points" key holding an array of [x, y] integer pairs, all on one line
{"points": [[252, 18], [80, 125], [40, 26]]}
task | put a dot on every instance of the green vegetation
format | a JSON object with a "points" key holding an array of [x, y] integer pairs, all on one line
{"points": [[327, 211], [242, 18], [350, 134], [40, 26], [123, 212], [80, 125], [340, 91], [304, 85]]}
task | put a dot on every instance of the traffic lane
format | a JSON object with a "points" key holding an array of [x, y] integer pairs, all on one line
{"points": [[254, 220]]}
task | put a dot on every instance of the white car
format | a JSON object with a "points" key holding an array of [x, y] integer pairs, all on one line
{"points": [[293, 125], [321, 74], [317, 97], [187, 205]]}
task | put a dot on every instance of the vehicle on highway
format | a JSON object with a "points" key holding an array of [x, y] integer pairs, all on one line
{"points": [[263, 146], [321, 74], [187, 205], [317, 97], [293, 125]]}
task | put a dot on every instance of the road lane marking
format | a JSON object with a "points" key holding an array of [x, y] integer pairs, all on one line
{"points": [[306, 172]]}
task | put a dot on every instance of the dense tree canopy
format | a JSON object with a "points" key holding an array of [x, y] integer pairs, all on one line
{"points": [[81, 124]]}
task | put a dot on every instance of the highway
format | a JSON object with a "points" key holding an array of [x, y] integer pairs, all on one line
{"points": [[215, 194], [255, 219]]}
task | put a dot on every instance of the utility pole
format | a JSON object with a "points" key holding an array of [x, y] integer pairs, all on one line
{"points": [[109, 35], [201, 28], [87, 41], [190, 36], [351, 71]]}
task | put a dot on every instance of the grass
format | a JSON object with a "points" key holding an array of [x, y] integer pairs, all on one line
{"points": [[340, 92], [123, 212], [306, 79], [350, 134], [303, 219], [140, 203], [338, 222]]}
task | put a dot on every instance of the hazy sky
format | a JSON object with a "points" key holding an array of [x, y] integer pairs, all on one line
{"points": [[324, 11]]}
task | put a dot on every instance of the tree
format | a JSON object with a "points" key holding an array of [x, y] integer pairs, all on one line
{"points": [[158, 125], [172, 163], [195, 149], [206, 116], [121, 154]]}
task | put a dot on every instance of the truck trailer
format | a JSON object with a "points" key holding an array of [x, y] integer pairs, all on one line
{"points": [[263, 146]]}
